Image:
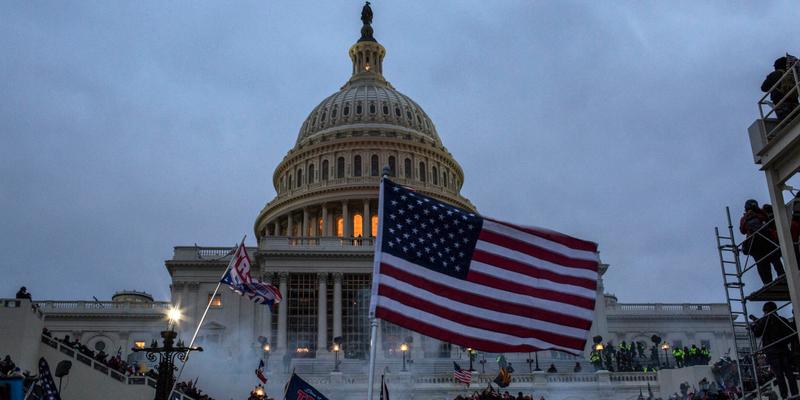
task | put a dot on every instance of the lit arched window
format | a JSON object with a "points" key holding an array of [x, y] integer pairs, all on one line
{"points": [[320, 232], [299, 177], [340, 167], [357, 166], [373, 168], [435, 175], [325, 170], [311, 173], [422, 171], [358, 225], [374, 225], [407, 168], [392, 166], [339, 226]]}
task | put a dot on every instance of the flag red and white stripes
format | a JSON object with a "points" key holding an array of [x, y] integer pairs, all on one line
{"points": [[479, 282]]}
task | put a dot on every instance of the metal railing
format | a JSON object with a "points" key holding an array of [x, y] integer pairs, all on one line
{"points": [[82, 305], [677, 308]]}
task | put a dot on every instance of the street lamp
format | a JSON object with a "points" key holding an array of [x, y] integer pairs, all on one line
{"points": [[598, 347], [404, 349], [472, 354], [483, 363], [665, 347], [336, 349], [166, 355]]}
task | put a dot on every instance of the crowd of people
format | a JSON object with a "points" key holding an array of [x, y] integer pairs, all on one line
{"points": [[114, 362], [490, 393], [635, 357]]}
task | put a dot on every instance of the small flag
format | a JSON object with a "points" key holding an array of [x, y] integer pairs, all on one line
{"points": [[239, 280], [462, 375], [260, 372], [478, 282], [49, 390], [384, 390], [298, 389], [503, 378]]}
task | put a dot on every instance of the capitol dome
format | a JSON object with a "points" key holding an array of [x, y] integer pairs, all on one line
{"points": [[327, 185]]}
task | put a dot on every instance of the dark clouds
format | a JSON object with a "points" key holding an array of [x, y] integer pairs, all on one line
{"points": [[128, 128]]}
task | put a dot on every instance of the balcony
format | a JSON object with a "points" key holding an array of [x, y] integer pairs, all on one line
{"points": [[66, 308], [667, 309], [324, 244]]}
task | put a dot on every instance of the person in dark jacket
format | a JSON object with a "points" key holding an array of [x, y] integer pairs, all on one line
{"points": [[23, 293], [760, 243], [780, 90], [776, 334]]}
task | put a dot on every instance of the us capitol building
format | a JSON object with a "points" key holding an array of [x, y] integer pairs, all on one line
{"points": [[315, 242]]}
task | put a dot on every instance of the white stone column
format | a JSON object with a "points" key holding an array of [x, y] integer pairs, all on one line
{"points": [[325, 224], [346, 221], [265, 326], [366, 221], [322, 313], [282, 310], [277, 227], [289, 226], [337, 304], [305, 223]]}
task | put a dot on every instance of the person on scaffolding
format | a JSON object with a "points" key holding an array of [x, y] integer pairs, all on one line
{"points": [[784, 100], [776, 334], [761, 241]]}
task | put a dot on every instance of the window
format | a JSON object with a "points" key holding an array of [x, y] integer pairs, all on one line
{"points": [[217, 302], [422, 171], [392, 166], [407, 168], [397, 112], [372, 108], [339, 226], [325, 170], [302, 316], [320, 226], [374, 225], [356, 289], [357, 166], [358, 225], [346, 111], [100, 345], [139, 344], [385, 109], [340, 167], [373, 169], [435, 175], [358, 108], [282, 186], [290, 182], [392, 337], [322, 120], [333, 112], [408, 115], [299, 177], [444, 178], [310, 173]]}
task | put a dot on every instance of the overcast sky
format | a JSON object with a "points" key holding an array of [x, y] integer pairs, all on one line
{"points": [[127, 128]]}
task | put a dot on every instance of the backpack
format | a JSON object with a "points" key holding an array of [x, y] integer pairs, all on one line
{"points": [[753, 223]]}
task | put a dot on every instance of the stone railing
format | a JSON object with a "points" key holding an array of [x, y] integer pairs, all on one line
{"points": [[665, 309], [321, 243], [80, 306], [104, 369], [19, 303]]}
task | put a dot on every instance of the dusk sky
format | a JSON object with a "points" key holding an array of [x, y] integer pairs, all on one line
{"points": [[127, 128]]}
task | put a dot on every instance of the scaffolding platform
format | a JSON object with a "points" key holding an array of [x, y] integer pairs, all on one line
{"points": [[777, 290]]}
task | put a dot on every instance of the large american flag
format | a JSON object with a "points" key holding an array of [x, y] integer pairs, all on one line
{"points": [[477, 282]]}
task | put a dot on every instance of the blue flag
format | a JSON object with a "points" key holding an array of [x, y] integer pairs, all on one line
{"points": [[49, 391], [298, 389]]}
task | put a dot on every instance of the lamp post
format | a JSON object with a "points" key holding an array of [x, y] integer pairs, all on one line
{"points": [[265, 348], [665, 347], [483, 363], [404, 350], [472, 354], [166, 355], [336, 349], [530, 363]]}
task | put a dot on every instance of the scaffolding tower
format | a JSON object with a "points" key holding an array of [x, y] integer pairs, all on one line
{"points": [[775, 142]]}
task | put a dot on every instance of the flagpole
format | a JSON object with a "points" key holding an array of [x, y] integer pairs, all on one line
{"points": [[373, 321], [199, 324]]}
